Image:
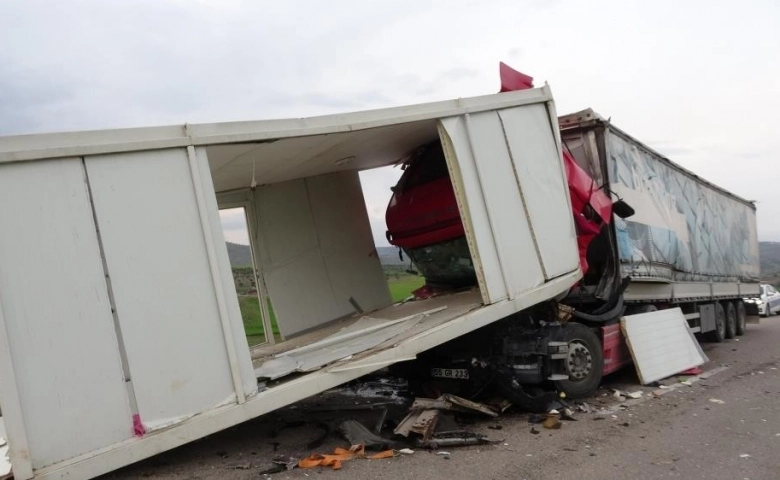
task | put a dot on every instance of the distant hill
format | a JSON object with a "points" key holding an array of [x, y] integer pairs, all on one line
{"points": [[769, 254], [240, 256], [389, 256]]}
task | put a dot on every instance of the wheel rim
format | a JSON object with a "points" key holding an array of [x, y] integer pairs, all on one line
{"points": [[579, 362]]}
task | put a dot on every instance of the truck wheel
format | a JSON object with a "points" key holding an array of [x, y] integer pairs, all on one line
{"points": [[585, 363], [719, 333], [731, 320], [741, 318]]}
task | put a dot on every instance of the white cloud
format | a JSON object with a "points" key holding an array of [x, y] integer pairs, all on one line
{"points": [[697, 79], [234, 225]]}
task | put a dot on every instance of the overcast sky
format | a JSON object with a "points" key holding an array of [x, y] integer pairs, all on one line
{"points": [[698, 81]]}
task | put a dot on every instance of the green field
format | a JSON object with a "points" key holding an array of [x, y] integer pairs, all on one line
{"points": [[400, 282], [403, 286], [253, 325]]}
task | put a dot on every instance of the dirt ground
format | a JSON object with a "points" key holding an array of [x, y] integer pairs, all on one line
{"points": [[725, 424]]}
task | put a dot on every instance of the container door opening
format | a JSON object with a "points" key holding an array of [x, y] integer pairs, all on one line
{"points": [[260, 323]]}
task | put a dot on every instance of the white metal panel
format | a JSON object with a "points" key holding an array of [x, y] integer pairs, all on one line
{"points": [[638, 290], [649, 290], [301, 294], [729, 289], [473, 210], [233, 198], [316, 251], [289, 258], [58, 145], [505, 202], [506, 169], [234, 166], [244, 359], [57, 315], [346, 241], [531, 140], [363, 335], [285, 224], [685, 290], [165, 294], [661, 344], [749, 289]]}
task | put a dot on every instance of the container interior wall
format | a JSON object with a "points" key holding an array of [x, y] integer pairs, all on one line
{"points": [[508, 176], [683, 230], [314, 248]]}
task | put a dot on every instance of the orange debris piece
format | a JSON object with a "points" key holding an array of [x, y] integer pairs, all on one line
{"points": [[340, 455]]}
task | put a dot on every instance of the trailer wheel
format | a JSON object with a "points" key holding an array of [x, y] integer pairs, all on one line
{"points": [[731, 320], [741, 318], [719, 333], [585, 363]]}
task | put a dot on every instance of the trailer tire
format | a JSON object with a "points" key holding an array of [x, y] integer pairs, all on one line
{"points": [[741, 318], [731, 320], [585, 363], [719, 333]]}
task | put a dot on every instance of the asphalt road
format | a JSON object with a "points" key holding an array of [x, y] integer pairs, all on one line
{"points": [[726, 426]]}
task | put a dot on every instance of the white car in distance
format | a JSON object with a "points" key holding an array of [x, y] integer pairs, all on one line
{"points": [[769, 301]]}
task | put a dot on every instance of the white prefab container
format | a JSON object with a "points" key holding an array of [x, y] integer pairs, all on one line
{"points": [[120, 329]]}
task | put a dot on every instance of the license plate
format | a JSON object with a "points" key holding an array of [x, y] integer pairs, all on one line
{"points": [[456, 373]]}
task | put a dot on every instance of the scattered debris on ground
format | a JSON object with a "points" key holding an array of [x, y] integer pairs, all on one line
{"points": [[339, 455], [584, 407], [436, 429], [357, 434], [379, 418], [553, 421], [281, 464]]}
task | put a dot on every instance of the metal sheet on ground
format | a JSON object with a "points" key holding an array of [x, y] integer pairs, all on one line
{"points": [[661, 344]]}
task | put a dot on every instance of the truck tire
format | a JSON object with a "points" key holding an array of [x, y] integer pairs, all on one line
{"points": [[585, 363], [731, 320], [719, 333], [741, 317]]}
